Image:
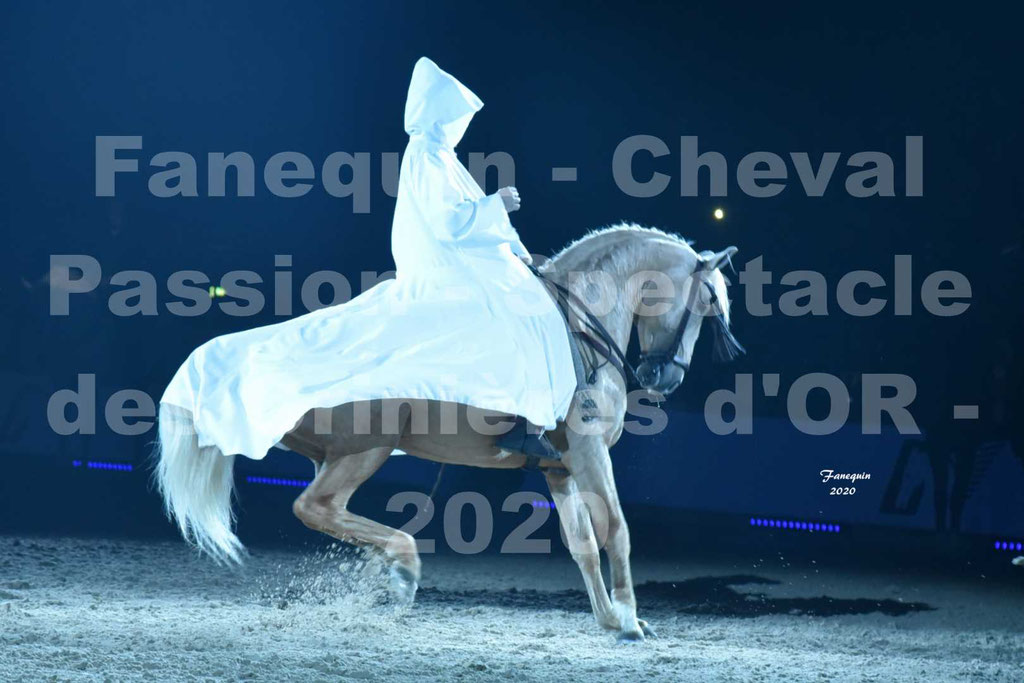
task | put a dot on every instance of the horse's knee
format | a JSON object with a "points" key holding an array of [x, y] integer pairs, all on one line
{"points": [[587, 560], [581, 539]]}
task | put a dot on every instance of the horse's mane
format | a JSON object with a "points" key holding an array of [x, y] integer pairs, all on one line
{"points": [[623, 229]]}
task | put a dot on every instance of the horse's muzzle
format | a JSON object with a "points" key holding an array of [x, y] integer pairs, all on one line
{"points": [[663, 378]]}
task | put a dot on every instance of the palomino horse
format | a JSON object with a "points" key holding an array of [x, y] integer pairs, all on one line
{"points": [[640, 276]]}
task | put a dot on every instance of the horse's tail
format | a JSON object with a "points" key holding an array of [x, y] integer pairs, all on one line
{"points": [[196, 485]]}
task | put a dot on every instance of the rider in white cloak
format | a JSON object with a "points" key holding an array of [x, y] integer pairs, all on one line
{"points": [[464, 320]]}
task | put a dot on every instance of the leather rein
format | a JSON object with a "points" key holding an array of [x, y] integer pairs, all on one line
{"points": [[596, 335]]}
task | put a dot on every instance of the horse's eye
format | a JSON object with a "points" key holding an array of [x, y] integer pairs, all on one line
{"points": [[651, 295]]}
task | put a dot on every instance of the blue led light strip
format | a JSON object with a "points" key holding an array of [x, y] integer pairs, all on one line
{"points": [[100, 465], [794, 525], [1009, 545], [274, 481]]}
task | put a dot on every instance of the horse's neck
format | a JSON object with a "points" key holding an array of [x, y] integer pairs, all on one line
{"points": [[617, 256]]}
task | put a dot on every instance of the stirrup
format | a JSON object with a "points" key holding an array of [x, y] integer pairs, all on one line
{"points": [[534, 446]]}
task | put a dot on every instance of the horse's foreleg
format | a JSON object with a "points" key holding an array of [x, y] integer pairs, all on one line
{"points": [[591, 467], [323, 506], [579, 535]]}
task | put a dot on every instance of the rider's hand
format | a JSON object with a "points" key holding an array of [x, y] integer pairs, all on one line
{"points": [[510, 197]]}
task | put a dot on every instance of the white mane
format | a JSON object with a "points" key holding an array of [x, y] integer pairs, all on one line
{"points": [[623, 230], [593, 247]]}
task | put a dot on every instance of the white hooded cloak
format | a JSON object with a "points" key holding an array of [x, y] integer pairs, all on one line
{"points": [[463, 321]]}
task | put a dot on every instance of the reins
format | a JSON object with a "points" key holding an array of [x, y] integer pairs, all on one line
{"points": [[601, 342], [671, 353], [598, 338]]}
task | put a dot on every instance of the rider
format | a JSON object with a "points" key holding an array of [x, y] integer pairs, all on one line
{"points": [[447, 234]]}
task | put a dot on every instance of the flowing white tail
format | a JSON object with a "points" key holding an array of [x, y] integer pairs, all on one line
{"points": [[196, 484]]}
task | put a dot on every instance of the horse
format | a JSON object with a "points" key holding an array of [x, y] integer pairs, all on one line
{"points": [[644, 278]]}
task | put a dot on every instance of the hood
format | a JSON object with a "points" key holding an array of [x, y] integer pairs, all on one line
{"points": [[438, 106]]}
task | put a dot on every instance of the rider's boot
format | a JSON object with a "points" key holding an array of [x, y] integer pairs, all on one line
{"points": [[529, 440]]}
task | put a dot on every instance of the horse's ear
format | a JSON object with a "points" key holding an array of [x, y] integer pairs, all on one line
{"points": [[715, 260]]}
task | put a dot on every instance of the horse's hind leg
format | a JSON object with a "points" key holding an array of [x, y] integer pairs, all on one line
{"points": [[324, 506]]}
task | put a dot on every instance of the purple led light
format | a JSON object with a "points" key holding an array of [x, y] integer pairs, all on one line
{"points": [[99, 465], [1009, 545], [275, 481], [801, 526]]}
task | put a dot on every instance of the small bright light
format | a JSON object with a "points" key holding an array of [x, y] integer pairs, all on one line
{"points": [[719, 214]]}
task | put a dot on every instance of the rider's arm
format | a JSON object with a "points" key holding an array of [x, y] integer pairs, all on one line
{"points": [[453, 217]]}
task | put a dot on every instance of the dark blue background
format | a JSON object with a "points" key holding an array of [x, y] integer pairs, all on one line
{"points": [[564, 84]]}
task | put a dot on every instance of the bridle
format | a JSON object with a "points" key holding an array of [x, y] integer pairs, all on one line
{"points": [[601, 342], [670, 354]]}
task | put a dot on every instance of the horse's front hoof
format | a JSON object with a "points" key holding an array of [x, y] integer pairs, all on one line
{"points": [[630, 637], [403, 585]]}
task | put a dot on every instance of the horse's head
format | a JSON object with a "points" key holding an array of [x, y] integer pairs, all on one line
{"points": [[672, 306]]}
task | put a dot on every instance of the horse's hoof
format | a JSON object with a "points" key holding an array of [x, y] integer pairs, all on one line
{"points": [[646, 628], [403, 585], [630, 637]]}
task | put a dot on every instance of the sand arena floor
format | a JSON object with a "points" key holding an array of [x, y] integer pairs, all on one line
{"points": [[102, 610]]}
